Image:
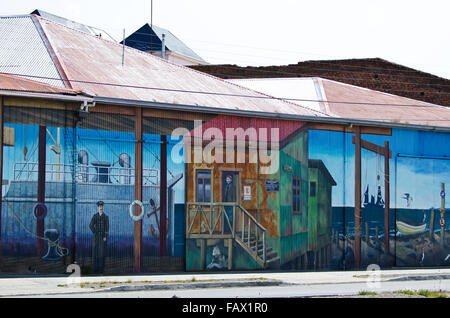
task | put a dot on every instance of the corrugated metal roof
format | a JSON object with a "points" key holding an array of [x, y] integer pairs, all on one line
{"points": [[22, 50], [292, 88], [89, 59], [15, 83], [368, 104], [74, 25], [347, 101]]}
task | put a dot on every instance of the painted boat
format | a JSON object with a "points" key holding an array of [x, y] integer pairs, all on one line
{"points": [[408, 229]]}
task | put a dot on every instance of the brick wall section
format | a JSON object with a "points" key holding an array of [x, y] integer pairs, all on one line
{"points": [[372, 73]]}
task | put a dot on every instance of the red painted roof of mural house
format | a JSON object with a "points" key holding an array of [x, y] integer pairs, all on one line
{"points": [[261, 126]]}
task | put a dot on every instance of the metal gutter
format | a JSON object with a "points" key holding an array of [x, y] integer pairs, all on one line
{"points": [[247, 113]]}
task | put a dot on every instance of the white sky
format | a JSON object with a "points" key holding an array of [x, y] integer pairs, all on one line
{"points": [[260, 32]]}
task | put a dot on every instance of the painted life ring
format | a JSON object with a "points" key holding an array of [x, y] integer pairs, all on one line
{"points": [[136, 217], [442, 222], [35, 208]]}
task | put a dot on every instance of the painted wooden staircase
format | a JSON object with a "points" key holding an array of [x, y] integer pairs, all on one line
{"points": [[266, 256], [206, 220]]}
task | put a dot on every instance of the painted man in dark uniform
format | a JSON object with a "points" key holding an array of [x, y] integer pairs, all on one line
{"points": [[229, 195], [99, 226]]}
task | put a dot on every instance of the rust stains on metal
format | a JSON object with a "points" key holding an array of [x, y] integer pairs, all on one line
{"points": [[15, 83]]}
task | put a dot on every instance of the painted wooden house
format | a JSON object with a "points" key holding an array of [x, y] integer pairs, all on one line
{"points": [[319, 213], [269, 221]]}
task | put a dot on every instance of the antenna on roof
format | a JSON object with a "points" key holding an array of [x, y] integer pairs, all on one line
{"points": [[123, 48]]}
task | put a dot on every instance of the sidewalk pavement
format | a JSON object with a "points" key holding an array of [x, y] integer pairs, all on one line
{"points": [[54, 285]]}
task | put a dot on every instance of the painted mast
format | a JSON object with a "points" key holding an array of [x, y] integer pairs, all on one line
{"points": [[442, 220]]}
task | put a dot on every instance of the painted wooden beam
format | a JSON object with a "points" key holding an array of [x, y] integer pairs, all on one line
{"points": [[41, 187], [27, 102], [374, 147], [163, 196], [138, 155], [351, 129], [387, 197], [357, 243]]}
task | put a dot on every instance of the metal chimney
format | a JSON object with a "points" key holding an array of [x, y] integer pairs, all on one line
{"points": [[163, 48]]}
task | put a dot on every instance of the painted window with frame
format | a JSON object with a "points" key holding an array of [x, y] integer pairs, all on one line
{"points": [[296, 195], [203, 185]]}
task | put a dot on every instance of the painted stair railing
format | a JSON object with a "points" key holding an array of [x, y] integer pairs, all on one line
{"points": [[221, 220]]}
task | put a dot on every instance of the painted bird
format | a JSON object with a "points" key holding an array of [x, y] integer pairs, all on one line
{"points": [[423, 256], [408, 199]]}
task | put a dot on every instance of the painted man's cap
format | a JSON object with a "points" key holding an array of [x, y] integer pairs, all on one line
{"points": [[100, 203]]}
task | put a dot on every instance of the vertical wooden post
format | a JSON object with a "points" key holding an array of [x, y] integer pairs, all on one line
{"points": [[41, 188], [357, 197], [230, 254], [138, 156], [442, 243], [376, 233], [367, 233], [386, 197], [202, 254], [163, 196], [432, 224]]}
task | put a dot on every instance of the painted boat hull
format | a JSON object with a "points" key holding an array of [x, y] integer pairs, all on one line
{"points": [[408, 229]]}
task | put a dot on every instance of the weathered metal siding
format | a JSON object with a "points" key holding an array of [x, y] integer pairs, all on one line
{"points": [[23, 51]]}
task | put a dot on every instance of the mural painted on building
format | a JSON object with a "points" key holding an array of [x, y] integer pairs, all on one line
{"points": [[303, 215], [47, 226], [416, 175], [242, 193]]}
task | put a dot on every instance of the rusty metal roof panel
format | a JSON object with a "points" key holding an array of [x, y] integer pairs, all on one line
{"points": [[22, 51], [88, 60], [20, 84]]}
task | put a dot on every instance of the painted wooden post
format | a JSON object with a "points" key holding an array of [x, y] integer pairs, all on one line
{"points": [[357, 241], [137, 263], [202, 254], [163, 196], [367, 233], [376, 233], [432, 224], [442, 243], [40, 223], [230, 254], [386, 197]]}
